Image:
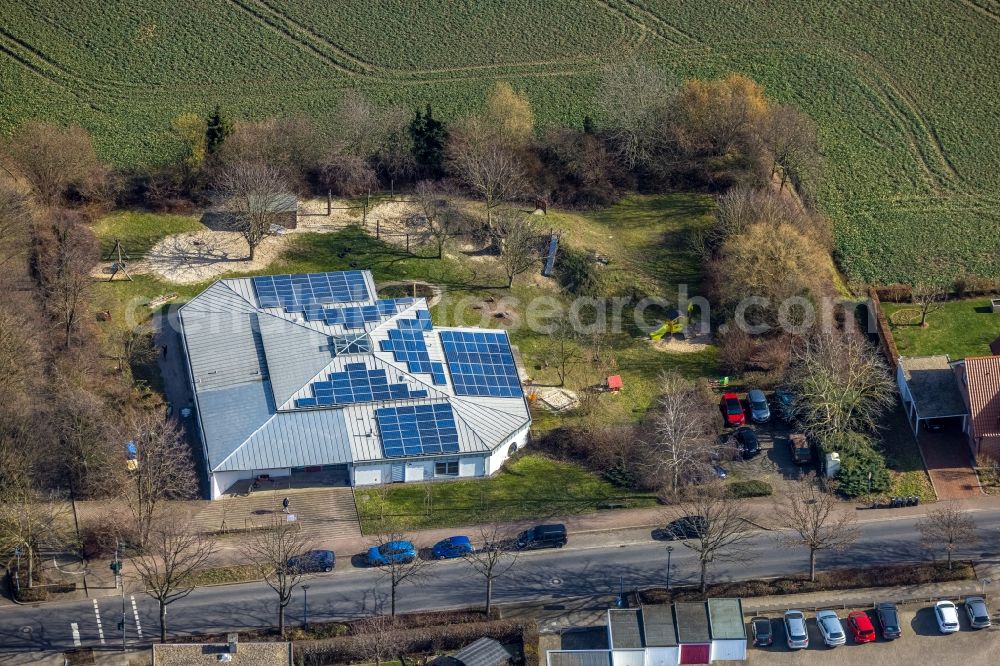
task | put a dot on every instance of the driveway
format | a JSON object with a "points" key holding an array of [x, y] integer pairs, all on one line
{"points": [[949, 463]]}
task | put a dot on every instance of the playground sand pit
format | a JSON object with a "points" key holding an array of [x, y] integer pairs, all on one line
{"points": [[677, 344], [556, 399], [200, 256]]}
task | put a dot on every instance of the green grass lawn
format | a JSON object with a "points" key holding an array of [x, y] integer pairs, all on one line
{"points": [[530, 486], [139, 231], [909, 477], [960, 328]]}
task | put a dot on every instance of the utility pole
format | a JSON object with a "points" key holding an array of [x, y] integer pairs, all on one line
{"points": [[116, 567], [305, 611], [670, 551]]}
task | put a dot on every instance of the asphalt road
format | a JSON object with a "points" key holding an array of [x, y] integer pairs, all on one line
{"points": [[541, 576]]}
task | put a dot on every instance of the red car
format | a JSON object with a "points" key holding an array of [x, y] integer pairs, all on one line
{"points": [[733, 409], [861, 627]]}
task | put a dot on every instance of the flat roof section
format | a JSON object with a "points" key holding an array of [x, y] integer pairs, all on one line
{"points": [[625, 629], [579, 658], [658, 626], [692, 622], [933, 386], [725, 617]]}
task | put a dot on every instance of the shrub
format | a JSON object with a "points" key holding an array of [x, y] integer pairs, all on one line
{"points": [[751, 488], [852, 479], [576, 272]]}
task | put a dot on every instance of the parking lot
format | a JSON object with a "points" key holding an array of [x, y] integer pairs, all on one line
{"points": [[921, 643], [774, 462]]}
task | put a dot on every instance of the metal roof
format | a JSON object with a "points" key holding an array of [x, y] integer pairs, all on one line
{"points": [[692, 622], [931, 382], [248, 365], [579, 658], [725, 617], [658, 625], [483, 652], [624, 628]]}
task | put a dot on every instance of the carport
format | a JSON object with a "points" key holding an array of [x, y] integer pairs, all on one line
{"points": [[928, 387]]}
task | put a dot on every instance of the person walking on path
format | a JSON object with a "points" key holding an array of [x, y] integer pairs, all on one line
{"points": [[284, 505]]}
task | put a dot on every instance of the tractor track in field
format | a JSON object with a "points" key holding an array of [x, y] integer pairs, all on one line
{"points": [[982, 9], [653, 24]]}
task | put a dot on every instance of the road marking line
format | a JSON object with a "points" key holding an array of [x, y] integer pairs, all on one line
{"points": [[135, 611], [76, 633], [100, 629]]}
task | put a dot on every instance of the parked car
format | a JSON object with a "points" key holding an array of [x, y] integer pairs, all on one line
{"points": [[784, 399], [720, 472], [795, 630], [762, 634], [733, 409], [688, 527], [830, 628], [947, 617], [801, 451], [888, 620], [313, 562], [979, 614], [759, 411], [861, 627], [394, 552], [452, 547], [747, 442], [542, 536]]}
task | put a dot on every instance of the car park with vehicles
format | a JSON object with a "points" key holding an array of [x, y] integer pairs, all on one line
{"points": [[314, 561], [796, 633], [452, 547], [946, 615], [747, 442], [830, 628], [732, 408], [860, 626], [759, 410], [888, 620], [762, 634], [978, 612], [393, 552], [542, 536], [687, 527]]}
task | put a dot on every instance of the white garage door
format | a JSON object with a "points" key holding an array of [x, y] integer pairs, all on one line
{"points": [[414, 472]]}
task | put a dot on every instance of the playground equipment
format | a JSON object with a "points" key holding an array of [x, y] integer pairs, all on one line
{"points": [[550, 257], [674, 323]]}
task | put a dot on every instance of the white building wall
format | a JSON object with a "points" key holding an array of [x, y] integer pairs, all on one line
{"points": [[662, 656], [419, 470], [221, 481], [732, 650], [369, 475], [628, 657], [502, 452], [469, 467]]}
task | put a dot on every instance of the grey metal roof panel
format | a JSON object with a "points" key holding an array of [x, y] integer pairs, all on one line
{"points": [[658, 626], [624, 629], [725, 617], [219, 298], [492, 427], [483, 652], [224, 348], [294, 354], [295, 439], [579, 658], [692, 622], [232, 414], [933, 386]]}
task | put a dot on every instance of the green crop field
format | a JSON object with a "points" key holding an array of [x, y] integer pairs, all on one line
{"points": [[906, 92]]}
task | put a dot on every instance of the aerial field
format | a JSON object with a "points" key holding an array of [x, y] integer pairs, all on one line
{"points": [[906, 92]]}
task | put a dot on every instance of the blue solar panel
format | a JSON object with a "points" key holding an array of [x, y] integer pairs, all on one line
{"points": [[481, 364], [296, 292], [355, 317], [408, 345], [418, 430], [357, 383]]}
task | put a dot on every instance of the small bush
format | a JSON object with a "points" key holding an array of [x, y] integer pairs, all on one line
{"points": [[32, 594], [576, 272], [852, 479], [751, 488]]}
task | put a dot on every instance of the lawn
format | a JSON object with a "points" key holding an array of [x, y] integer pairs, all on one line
{"points": [[910, 136], [530, 486], [902, 456], [960, 328], [139, 231]]}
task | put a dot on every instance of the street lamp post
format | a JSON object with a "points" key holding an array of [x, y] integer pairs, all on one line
{"points": [[983, 583], [670, 550], [305, 611]]}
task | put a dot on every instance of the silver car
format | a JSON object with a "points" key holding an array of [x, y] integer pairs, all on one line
{"points": [[795, 630], [830, 628], [979, 614], [759, 411]]}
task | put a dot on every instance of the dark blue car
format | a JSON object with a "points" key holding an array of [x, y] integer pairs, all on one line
{"points": [[313, 561], [452, 547], [394, 552]]}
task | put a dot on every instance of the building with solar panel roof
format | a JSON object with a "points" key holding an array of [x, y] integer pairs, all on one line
{"points": [[307, 374]]}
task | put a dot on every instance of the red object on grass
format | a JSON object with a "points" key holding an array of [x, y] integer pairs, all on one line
{"points": [[615, 382]]}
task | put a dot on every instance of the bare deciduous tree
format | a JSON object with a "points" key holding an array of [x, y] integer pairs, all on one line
{"points": [[949, 527], [635, 101], [173, 554], [378, 639], [55, 160], [791, 138], [563, 350], [397, 570], [685, 427], [840, 383], [727, 529], [809, 517], [269, 551], [442, 219], [163, 468], [494, 558], [252, 193], [15, 222], [929, 297], [485, 163], [30, 520], [515, 236], [65, 252]]}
